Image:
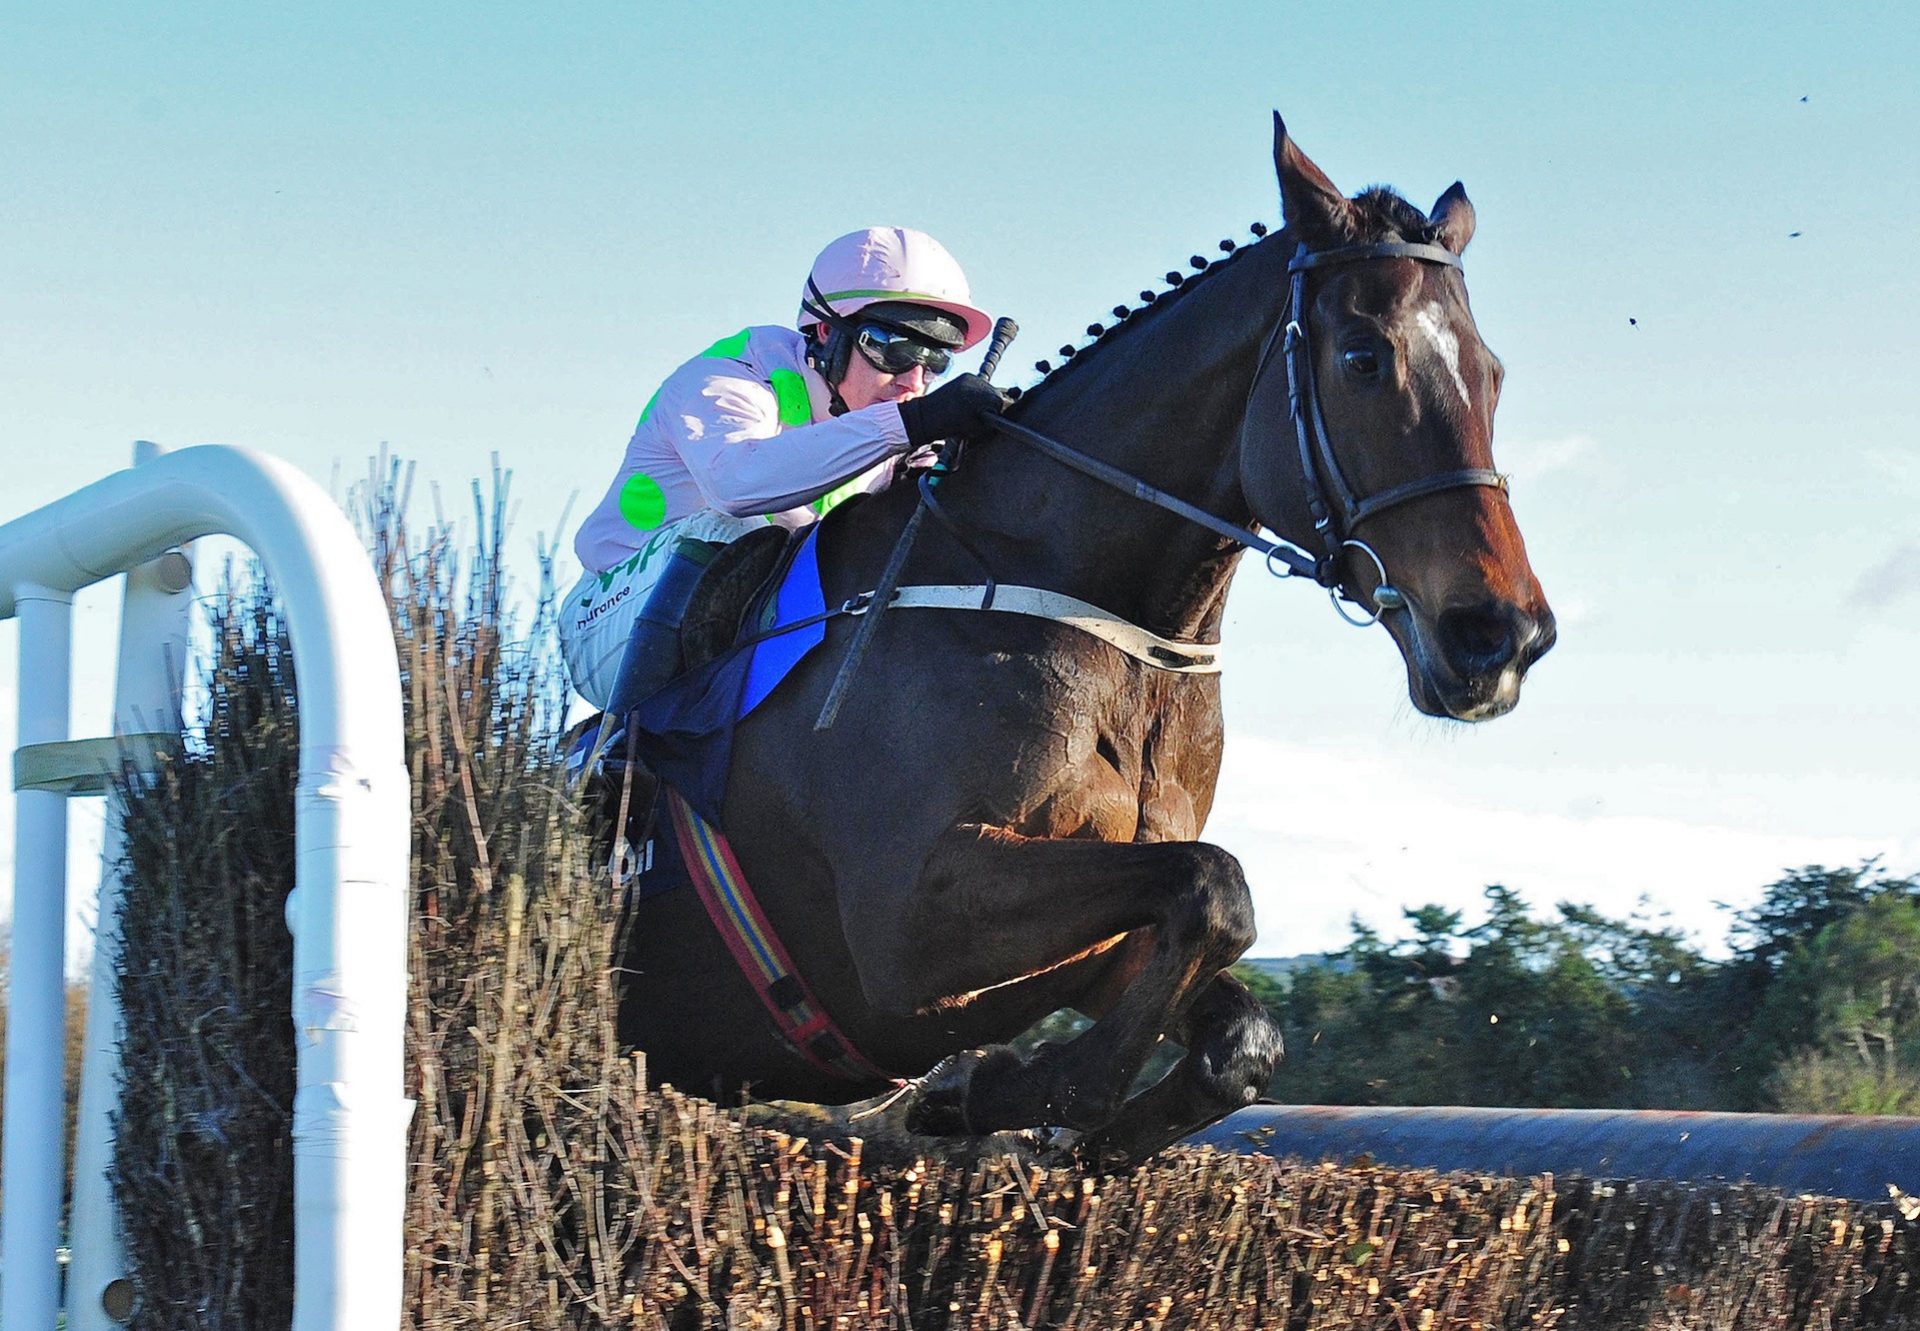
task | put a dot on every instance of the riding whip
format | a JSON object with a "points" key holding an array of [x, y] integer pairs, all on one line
{"points": [[1004, 331]]}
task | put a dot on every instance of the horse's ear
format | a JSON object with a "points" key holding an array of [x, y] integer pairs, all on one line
{"points": [[1310, 203], [1452, 218]]}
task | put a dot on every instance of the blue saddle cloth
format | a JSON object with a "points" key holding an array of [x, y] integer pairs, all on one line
{"points": [[684, 732]]}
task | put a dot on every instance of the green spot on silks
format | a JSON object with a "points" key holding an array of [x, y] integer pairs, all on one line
{"points": [[832, 499], [790, 391], [642, 502], [730, 348], [647, 410]]}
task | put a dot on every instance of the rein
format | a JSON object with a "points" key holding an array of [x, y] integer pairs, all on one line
{"points": [[1297, 564], [1332, 503]]}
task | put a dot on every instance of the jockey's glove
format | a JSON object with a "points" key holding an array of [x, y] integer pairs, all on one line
{"points": [[954, 410]]}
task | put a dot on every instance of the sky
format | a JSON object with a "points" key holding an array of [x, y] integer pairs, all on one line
{"points": [[462, 231]]}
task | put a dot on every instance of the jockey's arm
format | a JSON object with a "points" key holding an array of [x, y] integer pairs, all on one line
{"points": [[728, 432]]}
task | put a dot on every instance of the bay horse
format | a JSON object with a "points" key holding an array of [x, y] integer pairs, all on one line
{"points": [[1005, 820]]}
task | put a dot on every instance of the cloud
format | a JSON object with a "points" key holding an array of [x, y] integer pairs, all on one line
{"points": [[1325, 835], [1574, 612], [1900, 466], [1896, 576], [1531, 459]]}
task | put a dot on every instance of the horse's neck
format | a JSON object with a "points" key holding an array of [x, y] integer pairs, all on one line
{"points": [[1164, 402]]}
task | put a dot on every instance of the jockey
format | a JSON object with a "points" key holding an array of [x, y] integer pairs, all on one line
{"points": [[770, 425]]}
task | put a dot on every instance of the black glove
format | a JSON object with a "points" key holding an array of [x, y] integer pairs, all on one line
{"points": [[953, 410]]}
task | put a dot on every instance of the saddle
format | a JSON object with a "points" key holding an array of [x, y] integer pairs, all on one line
{"points": [[728, 592], [726, 606]]}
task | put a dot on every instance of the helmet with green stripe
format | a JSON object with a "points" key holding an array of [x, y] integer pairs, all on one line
{"points": [[907, 272]]}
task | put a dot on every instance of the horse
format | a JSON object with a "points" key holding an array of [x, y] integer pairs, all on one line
{"points": [[1005, 820]]}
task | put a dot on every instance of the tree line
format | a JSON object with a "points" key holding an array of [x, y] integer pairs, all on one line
{"points": [[1815, 1008]]}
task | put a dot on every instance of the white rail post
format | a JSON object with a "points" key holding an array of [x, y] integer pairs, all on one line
{"points": [[34, 1159], [348, 910], [149, 676]]}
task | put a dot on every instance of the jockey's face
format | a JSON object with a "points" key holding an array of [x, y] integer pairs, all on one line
{"points": [[864, 384]]}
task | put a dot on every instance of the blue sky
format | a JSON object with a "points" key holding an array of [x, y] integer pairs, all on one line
{"points": [[475, 230]]}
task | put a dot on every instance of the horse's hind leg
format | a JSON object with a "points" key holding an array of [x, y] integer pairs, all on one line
{"points": [[1035, 903], [1233, 1047]]}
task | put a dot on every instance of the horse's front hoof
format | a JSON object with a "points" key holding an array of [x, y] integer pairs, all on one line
{"points": [[940, 1105], [940, 1109]]}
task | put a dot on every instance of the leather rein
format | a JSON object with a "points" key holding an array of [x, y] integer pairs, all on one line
{"points": [[1332, 504]]}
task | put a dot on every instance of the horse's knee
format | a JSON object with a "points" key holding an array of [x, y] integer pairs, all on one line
{"points": [[1219, 904]]}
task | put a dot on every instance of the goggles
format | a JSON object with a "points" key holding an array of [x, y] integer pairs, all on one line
{"points": [[892, 351]]}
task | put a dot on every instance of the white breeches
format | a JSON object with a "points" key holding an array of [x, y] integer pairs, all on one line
{"points": [[597, 613]]}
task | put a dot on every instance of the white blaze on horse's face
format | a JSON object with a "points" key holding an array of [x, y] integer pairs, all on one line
{"points": [[1431, 320]]}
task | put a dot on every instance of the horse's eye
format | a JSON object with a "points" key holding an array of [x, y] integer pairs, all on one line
{"points": [[1362, 361]]}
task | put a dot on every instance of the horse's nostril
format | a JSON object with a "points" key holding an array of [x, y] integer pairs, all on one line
{"points": [[1547, 633], [1477, 639]]}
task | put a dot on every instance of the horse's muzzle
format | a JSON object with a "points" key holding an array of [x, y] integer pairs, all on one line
{"points": [[1478, 656]]}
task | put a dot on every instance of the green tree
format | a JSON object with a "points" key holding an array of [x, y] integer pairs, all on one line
{"points": [[1797, 906], [1840, 1027], [1681, 1032], [1818, 1009], [1541, 1023], [1263, 986], [1817, 973], [1514, 1010], [1332, 1016]]}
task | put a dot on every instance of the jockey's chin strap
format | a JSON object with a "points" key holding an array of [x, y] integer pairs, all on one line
{"points": [[832, 360]]}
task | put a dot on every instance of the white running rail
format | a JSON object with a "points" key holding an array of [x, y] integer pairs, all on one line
{"points": [[347, 913]]}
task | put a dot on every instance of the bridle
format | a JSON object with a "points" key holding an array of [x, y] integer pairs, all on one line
{"points": [[1332, 504]]}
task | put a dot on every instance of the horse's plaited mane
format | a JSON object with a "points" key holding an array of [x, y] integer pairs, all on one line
{"points": [[1381, 213]]}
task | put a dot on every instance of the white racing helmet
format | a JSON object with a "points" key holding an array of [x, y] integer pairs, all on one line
{"points": [[889, 265]]}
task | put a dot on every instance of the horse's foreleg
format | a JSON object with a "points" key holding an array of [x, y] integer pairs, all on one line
{"points": [[1023, 905], [1233, 1047]]}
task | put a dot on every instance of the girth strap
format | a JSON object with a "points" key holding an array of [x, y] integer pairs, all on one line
{"points": [[1181, 658]]}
